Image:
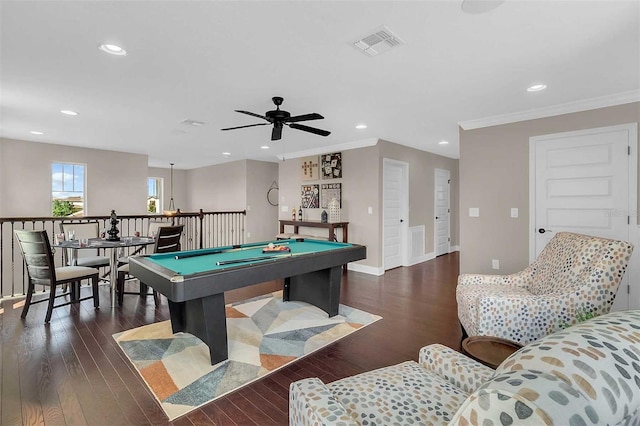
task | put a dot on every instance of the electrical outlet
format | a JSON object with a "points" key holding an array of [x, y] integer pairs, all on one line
{"points": [[495, 263], [284, 209], [370, 210], [474, 212], [514, 212]]}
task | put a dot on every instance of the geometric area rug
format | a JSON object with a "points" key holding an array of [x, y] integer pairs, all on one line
{"points": [[264, 334]]}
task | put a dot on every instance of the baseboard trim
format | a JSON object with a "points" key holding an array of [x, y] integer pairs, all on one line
{"points": [[371, 270], [454, 248]]}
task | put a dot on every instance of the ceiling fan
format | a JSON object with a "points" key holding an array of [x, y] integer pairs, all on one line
{"points": [[280, 117]]}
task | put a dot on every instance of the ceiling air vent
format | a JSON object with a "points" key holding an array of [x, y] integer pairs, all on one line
{"points": [[196, 123], [377, 42]]}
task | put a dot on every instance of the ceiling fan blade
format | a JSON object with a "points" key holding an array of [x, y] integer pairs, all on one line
{"points": [[276, 133], [304, 117], [309, 129], [254, 114], [248, 125]]}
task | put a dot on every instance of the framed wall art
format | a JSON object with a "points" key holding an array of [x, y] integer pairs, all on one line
{"points": [[309, 166], [329, 191], [310, 196], [331, 165]]}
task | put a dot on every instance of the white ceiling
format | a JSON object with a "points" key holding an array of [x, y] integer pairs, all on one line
{"points": [[201, 60]]}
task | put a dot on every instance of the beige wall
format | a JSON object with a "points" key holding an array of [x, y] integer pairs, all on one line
{"points": [[218, 188], [494, 176], [180, 194], [362, 188], [262, 217], [115, 180]]}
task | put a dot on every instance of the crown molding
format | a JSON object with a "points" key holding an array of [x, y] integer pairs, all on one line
{"points": [[332, 148], [567, 108]]}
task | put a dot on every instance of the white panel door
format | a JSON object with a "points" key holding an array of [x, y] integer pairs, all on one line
{"points": [[394, 212], [442, 212], [582, 185]]}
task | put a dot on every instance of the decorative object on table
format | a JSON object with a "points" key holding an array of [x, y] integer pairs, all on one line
{"points": [[310, 168], [323, 216], [172, 211], [334, 211], [265, 335], [329, 191], [332, 166], [113, 231], [310, 196], [293, 213], [276, 248], [280, 117], [272, 194], [300, 214]]}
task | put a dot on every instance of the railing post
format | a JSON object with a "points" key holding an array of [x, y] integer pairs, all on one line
{"points": [[201, 231]]}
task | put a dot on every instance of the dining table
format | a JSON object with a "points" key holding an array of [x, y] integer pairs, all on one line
{"points": [[111, 246]]}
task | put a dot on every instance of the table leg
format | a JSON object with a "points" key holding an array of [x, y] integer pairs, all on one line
{"points": [[319, 288], [113, 275], [206, 319]]}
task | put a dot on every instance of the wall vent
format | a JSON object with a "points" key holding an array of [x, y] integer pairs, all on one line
{"points": [[378, 41], [196, 123]]}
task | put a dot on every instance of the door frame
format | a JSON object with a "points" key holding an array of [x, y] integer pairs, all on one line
{"points": [[632, 128], [435, 209], [404, 209]]}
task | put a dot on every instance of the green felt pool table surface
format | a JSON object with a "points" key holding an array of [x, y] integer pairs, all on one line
{"points": [[203, 262]]}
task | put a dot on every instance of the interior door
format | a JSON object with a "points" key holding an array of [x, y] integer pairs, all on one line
{"points": [[583, 184], [442, 212], [394, 190]]}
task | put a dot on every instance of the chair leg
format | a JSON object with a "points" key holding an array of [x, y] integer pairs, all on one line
{"points": [[27, 301], [52, 298], [96, 296], [120, 287], [144, 290]]}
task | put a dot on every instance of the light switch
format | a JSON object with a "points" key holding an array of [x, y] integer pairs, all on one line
{"points": [[284, 209], [370, 210], [514, 212], [474, 212]]}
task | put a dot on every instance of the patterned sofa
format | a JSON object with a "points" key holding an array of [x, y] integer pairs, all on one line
{"points": [[573, 273], [587, 374]]}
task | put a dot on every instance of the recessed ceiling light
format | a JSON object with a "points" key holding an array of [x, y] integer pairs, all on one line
{"points": [[68, 112], [34, 132], [444, 142], [264, 147], [190, 122], [112, 49], [226, 154], [475, 7], [361, 126], [536, 87]]}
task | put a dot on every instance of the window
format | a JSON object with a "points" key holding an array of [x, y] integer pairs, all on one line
{"points": [[67, 189], [154, 196]]}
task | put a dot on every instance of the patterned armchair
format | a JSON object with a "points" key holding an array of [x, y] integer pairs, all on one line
{"points": [[574, 273], [588, 374]]}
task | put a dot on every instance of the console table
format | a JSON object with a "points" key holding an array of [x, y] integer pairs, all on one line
{"points": [[317, 224]]}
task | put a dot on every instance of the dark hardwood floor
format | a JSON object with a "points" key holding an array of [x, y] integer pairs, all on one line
{"points": [[72, 371]]}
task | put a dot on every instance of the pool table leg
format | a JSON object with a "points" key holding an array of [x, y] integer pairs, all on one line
{"points": [[319, 288], [204, 318]]}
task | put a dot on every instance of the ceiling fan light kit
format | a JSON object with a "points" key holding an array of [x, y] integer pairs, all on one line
{"points": [[279, 118]]}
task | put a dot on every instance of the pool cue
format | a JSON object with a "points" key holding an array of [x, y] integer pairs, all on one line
{"points": [[255, 259], [238, 248]]}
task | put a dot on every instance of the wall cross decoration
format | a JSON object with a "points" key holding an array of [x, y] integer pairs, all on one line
{"points": [[310, 168]]}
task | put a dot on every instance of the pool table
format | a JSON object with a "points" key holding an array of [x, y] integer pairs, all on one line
{"points": [[194, 281]]}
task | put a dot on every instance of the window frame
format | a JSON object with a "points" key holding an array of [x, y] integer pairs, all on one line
{"points": [[62, 164], [160, 190]]}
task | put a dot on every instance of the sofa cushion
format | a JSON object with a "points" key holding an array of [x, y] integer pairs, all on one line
{"points": [[400, 394]]}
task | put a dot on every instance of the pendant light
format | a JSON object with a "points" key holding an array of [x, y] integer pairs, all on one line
{"points": [[172, 211]]}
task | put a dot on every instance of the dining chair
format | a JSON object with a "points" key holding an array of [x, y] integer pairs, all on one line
{"points": [[167, 239], [41, 270], [84, 257]]}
